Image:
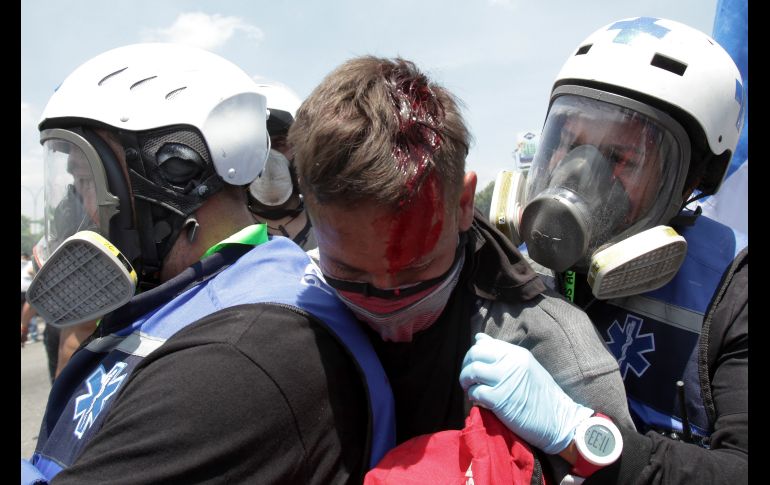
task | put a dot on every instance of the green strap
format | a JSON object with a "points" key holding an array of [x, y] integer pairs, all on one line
{"points": [[569, 285], [252, 235]]}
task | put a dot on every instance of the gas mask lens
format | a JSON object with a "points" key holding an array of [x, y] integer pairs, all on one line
{"points": [[581, 207], [70, 192], [601, 173]]}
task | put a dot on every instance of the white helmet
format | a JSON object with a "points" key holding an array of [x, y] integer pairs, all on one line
{"points": [[144, 86], [187, 121], [668, 65], [282, 105]]}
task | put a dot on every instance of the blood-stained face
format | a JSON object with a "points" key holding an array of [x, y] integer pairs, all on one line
{"points": [[390, 249]]}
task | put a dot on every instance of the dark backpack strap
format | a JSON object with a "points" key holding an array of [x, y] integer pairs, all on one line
{"points": [[195, 274], [703, 366]]}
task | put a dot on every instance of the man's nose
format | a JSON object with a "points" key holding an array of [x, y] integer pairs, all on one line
{"points": [[384, 281]]}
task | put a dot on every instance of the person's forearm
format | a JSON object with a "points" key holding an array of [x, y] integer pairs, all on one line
{"points": [[655, 459], [27, 312], [70, 339]]}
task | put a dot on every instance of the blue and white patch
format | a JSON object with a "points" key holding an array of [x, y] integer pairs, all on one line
{"points": [[630, 29], [627, 345], [101, 388]]}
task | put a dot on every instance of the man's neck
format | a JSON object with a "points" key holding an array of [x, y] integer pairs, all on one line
{"points": [[220, 217]]}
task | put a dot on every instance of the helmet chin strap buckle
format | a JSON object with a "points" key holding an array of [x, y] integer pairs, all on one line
{"points": [[684, 219], [191, 226]]}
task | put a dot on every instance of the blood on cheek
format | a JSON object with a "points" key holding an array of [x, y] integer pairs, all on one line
{"points": [[414, 230]]}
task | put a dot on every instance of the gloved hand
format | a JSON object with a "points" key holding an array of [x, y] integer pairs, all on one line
{"points": [[509, 381]]}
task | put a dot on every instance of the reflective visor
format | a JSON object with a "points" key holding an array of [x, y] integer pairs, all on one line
{"points": [[76, 195]]}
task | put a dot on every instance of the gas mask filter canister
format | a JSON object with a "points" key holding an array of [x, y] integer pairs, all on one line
{"points": [[84, 279], [638, 264], [582, 208]]}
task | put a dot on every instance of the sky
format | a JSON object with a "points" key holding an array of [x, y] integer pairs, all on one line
{"points": [[499, 57]]}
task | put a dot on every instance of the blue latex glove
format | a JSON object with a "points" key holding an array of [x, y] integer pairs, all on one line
{"points": [[509, 381]]}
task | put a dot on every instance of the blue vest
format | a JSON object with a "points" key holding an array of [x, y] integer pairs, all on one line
{"points": [[655, 336], [80, 397]]}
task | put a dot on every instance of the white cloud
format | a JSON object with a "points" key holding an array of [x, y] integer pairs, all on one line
{"points": [[202, 30]]}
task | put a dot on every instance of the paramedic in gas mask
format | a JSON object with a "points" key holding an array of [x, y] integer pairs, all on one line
{"points": [[643, 120], [274, 196]]}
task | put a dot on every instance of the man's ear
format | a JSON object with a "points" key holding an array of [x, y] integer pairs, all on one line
{"points": [[467, 195]]}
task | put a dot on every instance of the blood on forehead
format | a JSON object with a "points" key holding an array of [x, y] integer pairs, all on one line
{"points": [[415, 228], [412, 231]]}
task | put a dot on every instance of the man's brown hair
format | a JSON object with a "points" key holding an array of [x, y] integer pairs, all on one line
{"points": [[377, 129]]}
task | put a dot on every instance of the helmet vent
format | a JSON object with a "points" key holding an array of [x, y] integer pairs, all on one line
{"points": [[671, 65], [139, 83], [173, 93], [110, 75], [583, 50]]}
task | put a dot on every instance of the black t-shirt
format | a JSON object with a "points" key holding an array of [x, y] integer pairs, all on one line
{"points": [[424, 373], [251, 394]]}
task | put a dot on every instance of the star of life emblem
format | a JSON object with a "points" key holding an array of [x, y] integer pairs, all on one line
{"points": [[628, 345], [101, 387]]}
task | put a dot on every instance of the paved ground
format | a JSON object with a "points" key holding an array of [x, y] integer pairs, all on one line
{"points": [[35, 386]]}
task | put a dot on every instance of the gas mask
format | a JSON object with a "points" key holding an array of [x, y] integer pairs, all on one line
{"points": [[607, 176], [581, 208], [274, 185], [70, 216]]}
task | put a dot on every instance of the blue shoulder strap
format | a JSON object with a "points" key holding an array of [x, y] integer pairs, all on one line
{"points": [[204, 289]]}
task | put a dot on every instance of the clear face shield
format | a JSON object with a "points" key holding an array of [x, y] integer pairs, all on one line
{"points": [[605, 170], [82, 276], [76, 191]]}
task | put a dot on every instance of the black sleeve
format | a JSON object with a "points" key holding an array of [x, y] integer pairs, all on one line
{"points": [[254, 394], [655, 459]]}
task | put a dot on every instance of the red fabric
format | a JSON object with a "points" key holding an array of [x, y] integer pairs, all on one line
{"points": [[385, 305], [491, 451]]}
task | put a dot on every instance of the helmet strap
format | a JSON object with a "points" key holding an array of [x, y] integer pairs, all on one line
{"points": [[686, 218], [275, 213], [164, 211]]}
